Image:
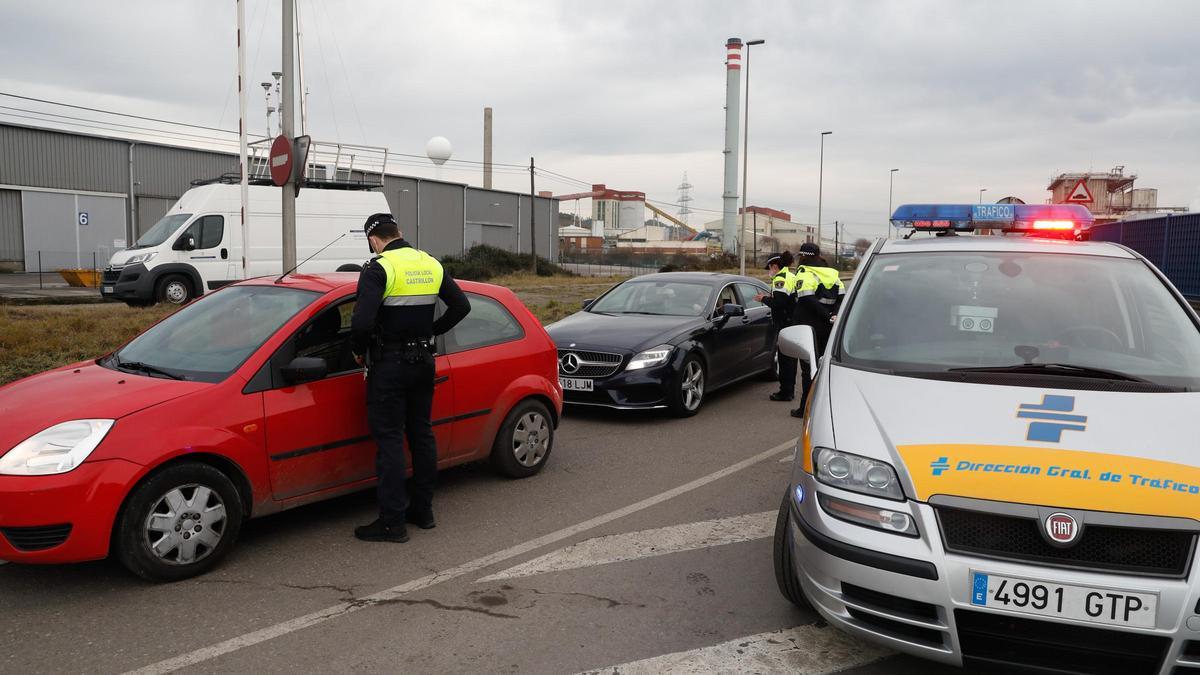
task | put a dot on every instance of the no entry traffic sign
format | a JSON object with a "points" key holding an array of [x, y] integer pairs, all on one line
{"points": [[281, 160]]}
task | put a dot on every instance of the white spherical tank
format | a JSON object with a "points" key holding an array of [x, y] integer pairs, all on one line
{"points": [[438, 149]]}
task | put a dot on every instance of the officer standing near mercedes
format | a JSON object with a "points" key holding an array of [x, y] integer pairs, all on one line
{"points": [[781, 301], [391, 331], [819, 293]]}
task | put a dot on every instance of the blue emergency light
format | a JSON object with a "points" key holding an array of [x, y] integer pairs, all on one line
{"points": [[1030, 218]]}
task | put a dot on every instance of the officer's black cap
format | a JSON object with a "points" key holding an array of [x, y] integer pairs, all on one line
{"points": [[809, 248], [774, 260], [374, 221]]}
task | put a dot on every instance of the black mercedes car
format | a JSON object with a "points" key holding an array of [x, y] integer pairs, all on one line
{"points": [[665, 341]]}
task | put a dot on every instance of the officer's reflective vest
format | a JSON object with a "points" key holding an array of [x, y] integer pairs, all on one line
{"points": [[784, 282], [413, 277], [823, 282]]}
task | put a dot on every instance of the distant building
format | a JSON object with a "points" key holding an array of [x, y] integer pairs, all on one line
{"points": [[573, 238], [1109, 196], [768, 223]]}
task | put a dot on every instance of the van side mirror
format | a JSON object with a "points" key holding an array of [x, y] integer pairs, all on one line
{"points": [[305, 369], [185, 243], [798, 342]]}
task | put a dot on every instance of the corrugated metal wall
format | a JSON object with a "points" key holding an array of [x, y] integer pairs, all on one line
{"points": [[169, 172], [1170, 243], [39, 158], [441, 231], [430, 213], [12, 248]]}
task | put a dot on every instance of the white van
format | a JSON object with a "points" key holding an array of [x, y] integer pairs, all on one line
{"points": [[197, 246]]}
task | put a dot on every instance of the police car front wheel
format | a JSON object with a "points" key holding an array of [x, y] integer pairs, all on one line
{"points": [[785, 569]]}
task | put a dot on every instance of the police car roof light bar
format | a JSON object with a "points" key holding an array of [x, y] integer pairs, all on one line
{"points": [[1006, 217]]}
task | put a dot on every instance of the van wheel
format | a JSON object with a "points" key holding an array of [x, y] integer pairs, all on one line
{"points": [[179, 523], [175, 289], [785, 569], [525, 440]]}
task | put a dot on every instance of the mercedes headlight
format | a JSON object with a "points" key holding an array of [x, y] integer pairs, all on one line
{"points": [[141, 258], [857, 474], [58, 449], [650, 358]]}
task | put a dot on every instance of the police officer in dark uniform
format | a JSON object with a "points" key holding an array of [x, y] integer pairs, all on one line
{"points": [[819, 293], [781, 301], [391, 331]]}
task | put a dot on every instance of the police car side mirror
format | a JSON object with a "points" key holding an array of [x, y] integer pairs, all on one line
{"points": [[305, 369], [588, 303], [798, 342]]}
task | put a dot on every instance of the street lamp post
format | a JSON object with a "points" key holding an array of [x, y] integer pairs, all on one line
{"points": [[981, 191], [821, 184], [891, 181], [745, 160]]}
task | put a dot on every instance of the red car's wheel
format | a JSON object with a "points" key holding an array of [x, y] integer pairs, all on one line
{"points": [[179, 523], [525, 440]]}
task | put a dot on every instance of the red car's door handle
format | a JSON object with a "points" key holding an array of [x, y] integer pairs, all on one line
{"points": [[439, 380]]}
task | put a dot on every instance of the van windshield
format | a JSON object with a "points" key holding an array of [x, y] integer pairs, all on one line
{"points": [[210, 338], [162, 230], [1024, 314]]}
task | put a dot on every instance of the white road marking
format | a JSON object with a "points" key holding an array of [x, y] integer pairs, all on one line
{"points": [[646, 544], [803, 650], [341, 609]]}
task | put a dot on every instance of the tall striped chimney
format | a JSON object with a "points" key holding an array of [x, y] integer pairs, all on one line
{"points": [[733, 114]]}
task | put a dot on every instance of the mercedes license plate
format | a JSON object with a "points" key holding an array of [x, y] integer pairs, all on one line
{"points": [[107, 289], [575, 383], [1084, 603]]}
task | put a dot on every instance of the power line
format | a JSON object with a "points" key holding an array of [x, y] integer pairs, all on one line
{"points": [[119, 114], [345, 73], [168, 136], [109, 125]]}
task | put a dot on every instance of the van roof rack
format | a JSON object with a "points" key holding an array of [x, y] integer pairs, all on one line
{"points": [[331, 166]]}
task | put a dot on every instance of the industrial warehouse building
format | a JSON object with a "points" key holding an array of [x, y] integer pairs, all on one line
{"points": [[68, 199]]}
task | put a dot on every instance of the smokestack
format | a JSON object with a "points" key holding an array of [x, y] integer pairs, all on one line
{"points": [[733, 114], [487, 148]]}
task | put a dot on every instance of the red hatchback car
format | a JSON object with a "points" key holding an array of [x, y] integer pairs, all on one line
{"points": [[242, 404]]}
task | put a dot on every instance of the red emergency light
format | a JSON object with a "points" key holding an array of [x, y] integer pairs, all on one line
{"points": [[1054, 225]]}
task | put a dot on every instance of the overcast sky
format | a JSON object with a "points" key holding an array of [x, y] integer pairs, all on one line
{"points": [[958, 95]]}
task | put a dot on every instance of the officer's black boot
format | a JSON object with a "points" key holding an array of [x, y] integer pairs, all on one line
{"points": [[381, 531], [782, 396], [422, 519]]}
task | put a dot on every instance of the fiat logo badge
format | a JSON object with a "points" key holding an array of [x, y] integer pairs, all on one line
{"points": [[1062, 528], [570, 363]]}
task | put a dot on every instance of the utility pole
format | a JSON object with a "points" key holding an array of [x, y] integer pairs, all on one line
{"points": [[532, 210], [837, 248], [891, 181], [821, 184], [487, 148], [287, 105]]}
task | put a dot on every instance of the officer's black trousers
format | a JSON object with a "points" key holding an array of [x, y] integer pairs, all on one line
{"points": [[787, 374], [399, 407]]}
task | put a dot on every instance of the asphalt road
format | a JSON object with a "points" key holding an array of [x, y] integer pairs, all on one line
{"points": [[644, 546]]}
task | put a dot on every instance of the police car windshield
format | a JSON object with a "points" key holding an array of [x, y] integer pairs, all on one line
{"points": [[665, 298], [162, 230], [210, 338], [949, 311]]}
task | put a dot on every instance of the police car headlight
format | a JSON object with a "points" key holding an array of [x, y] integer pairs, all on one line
{"points": [[650, 358], [857, 474], [141, 258], [887, 520], [58, 449]]}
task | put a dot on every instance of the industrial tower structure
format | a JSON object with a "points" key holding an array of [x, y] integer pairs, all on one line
{"points": [[685, 197]]}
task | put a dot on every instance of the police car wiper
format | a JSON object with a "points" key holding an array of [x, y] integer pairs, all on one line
{"points": [[139, 367], [1062, 369]]}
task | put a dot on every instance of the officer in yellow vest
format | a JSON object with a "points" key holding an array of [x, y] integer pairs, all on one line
{"points": [[781, 301], [391, 331], [819, 293]]}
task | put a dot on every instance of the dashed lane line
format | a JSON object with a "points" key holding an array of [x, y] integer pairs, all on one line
{"points": [[342, 609], [646, 544]]}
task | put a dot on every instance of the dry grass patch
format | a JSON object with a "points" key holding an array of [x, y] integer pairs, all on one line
{"points": [[37, 338]]}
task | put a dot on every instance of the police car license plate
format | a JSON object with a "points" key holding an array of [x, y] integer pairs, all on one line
{"points": [[575, 383], [1083, 603]]}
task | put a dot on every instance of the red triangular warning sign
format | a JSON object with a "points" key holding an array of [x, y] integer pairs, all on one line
{"points": [[1080, 193]]}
